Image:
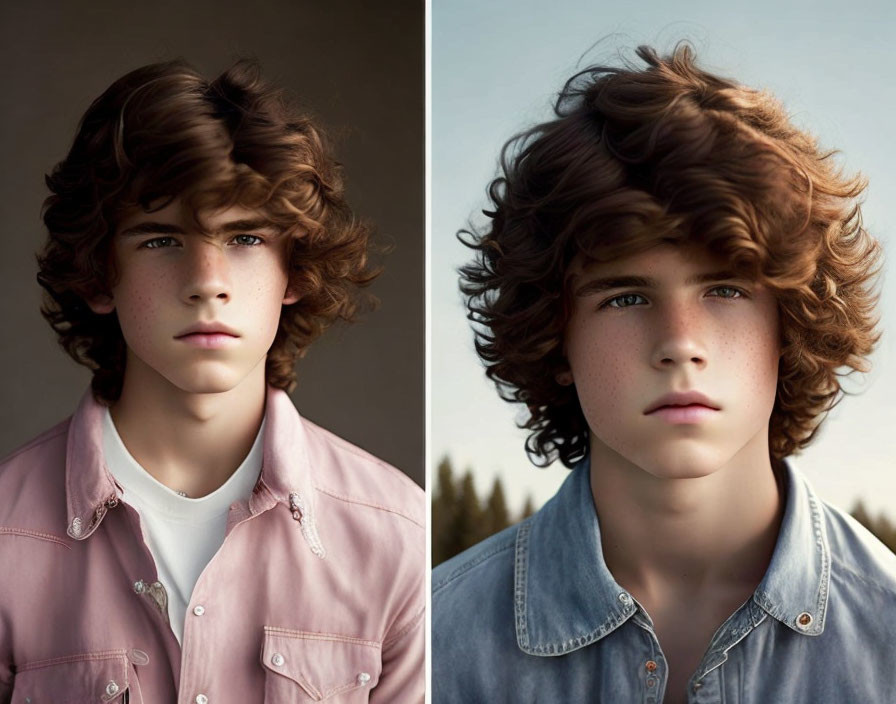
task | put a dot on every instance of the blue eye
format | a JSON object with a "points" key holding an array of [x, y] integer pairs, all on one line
{"points": [[248, 240], [159, 242], [732, 292], [624, 301]]}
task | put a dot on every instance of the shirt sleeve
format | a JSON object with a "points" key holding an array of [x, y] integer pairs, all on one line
{"points": [[402, 679]]}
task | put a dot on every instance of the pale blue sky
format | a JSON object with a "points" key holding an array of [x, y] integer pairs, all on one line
{"points": [[495, 69]]}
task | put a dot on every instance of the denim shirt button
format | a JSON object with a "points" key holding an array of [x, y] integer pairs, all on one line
{"points": [[624, 598], [651, 681], [650, 665], [112, 688], [697, 685], [804, 620]]}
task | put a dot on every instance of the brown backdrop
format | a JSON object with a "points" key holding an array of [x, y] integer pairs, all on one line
{"points": [[357, 65]]}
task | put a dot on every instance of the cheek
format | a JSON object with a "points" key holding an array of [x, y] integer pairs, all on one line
{"points": [[753, 354], [138, 304], [604, 366]]}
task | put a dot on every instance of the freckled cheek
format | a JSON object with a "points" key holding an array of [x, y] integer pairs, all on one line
{"points": [[142, 312], [752, 356], [604, 367]]}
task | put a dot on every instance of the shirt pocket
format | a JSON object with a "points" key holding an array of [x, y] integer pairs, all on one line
{"points": [[105, 677], [301, 666]]}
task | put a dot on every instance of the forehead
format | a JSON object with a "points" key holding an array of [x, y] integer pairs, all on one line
{"points": [[174, 217], [664, 262]]}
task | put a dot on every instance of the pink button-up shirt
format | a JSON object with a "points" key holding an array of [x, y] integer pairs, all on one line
{"points": [[317, 592]]}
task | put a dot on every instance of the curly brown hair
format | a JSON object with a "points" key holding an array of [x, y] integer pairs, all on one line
{"points": [[164, 132], [669, 153]]}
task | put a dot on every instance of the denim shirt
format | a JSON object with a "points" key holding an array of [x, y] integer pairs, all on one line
{"points": [[532, 614]]}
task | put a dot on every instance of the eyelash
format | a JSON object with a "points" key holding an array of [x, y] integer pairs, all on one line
{"points": [[155, 242], [739, 292]]}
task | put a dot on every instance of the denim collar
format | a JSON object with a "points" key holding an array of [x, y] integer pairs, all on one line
{"points": [[565, 597]]}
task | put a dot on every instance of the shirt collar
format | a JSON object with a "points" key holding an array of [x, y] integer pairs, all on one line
{"points": [[566, 598], [285, 475]]}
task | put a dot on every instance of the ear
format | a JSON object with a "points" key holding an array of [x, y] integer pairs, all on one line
{"points": [[101, 304], [291, 296], [564, 378]]}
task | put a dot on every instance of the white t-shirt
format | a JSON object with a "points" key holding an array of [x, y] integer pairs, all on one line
{"points": [[182, 534]]}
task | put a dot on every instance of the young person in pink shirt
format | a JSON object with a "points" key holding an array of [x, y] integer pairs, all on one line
{"points": [[186, 536]]}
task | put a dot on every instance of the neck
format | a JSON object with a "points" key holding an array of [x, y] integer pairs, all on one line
{"points": [[190, 442], [665, 538]]}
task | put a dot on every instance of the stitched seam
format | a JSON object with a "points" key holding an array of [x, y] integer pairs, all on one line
{"points": [[467, 566], [308, 635], [519, 587], [345, 445], [367, 503], [415, 621], [100, 655], [35, 534], [818, 525], [861, 577]]}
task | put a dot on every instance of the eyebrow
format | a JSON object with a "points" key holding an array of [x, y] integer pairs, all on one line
{"points": [[610, 282], [167, 228]]}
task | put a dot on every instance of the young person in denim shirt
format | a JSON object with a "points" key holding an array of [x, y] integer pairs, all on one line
{"points": [[671, 278], [186, 536]]}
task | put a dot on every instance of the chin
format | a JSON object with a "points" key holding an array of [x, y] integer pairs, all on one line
{"points": [[207, 381], [683, 463]]}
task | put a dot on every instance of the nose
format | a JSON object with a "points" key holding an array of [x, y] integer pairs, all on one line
{"points": [[679, 337], [206, 274]]}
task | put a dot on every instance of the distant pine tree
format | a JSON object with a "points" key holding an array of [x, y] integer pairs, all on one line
{"points": [[444, 511], [495, 518], [468, 519], [528, 509], [881, 526], [459, 520]]}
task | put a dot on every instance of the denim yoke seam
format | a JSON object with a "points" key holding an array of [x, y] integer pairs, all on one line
{"points": [[467, 566]]}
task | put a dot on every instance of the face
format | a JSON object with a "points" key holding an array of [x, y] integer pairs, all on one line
{"points": [[198, 310], [686, 326]]}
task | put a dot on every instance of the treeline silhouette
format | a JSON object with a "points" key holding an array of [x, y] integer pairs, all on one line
{"points": [[460, 519], [881, 526]]}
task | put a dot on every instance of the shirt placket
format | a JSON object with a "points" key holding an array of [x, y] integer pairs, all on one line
{"points": [[653, 671], [706, 686]]}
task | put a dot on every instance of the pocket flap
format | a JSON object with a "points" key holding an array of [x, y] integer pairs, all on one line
{"points": [[100, 677], [322, 664]]}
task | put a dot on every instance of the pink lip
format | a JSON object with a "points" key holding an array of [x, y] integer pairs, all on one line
{"points": [[207, 328], [206, 340], [694, 413], [682, 398]]}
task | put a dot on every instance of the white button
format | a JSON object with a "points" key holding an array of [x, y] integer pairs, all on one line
{"points": [[278, 660], [201, 699], [112, 688], [363, 678], [199, 609], [624, 598], [76, 527], [140, 586]]}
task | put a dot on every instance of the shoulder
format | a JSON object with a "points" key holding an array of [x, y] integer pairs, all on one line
{"points": [[346, 474], [478, 567], [473, 604], [34, 476], [858, 558], [482, 575]]}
